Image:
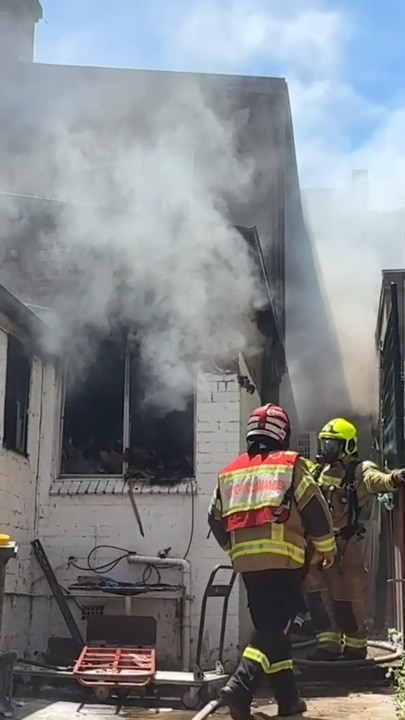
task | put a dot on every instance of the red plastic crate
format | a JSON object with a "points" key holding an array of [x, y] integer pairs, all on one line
{"points": [[124, 667]]}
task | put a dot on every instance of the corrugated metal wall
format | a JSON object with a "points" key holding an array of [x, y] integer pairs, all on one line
{"points": [[390, 342]]}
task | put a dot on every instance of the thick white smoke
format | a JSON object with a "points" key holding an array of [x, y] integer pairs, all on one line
{"points": [[144, 230], [337, 129]]}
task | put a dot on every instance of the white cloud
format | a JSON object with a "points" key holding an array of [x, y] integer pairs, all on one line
{"points": [[230, 34], [305, 41]]}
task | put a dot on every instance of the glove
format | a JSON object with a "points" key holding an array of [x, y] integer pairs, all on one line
{"points": [[398, 477], [388, 500], [327, 562], [323, 561]]}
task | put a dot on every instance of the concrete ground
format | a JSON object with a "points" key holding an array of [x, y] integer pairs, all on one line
{"points": [[378, 706]]}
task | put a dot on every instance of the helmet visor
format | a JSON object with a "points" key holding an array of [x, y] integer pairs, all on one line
{"points": [[330, 449]]}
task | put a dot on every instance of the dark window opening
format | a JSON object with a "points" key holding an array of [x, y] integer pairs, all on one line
{"points": [[18, 380], [161, 440], [115, 422], [93, 417], [162, 448]]}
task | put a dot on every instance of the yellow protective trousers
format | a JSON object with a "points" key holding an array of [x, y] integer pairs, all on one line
{"points": [[336, 600]]}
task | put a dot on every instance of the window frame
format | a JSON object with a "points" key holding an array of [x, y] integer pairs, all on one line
{"points": [[126, 423], [23, 450], [126, 426]]}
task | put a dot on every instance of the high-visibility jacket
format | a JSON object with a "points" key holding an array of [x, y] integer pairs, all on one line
{"points": [[265, 511]]}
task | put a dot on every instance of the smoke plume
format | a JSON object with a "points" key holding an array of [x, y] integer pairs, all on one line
{"points": [[179, 254], [142, 236], [338, 128]]}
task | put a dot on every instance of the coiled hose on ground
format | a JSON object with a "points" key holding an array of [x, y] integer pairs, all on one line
{"points": [[392, 655]]}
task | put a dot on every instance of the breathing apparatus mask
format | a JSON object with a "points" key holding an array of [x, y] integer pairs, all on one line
{"points": [[259, 444], [331, 450]]}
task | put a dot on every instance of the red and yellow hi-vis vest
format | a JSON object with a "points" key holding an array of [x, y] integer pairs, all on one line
{"points": [[254, 490]]}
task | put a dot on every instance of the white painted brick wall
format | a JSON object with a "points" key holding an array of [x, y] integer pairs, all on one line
{"points": [[74, 525], [218, 420], [18, 482]]}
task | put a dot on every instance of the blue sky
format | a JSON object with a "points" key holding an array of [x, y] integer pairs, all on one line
{"points": [[343, 60], [90, 32]]}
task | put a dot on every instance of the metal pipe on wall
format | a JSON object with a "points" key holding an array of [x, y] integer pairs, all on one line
{"points": [[186, 619]]}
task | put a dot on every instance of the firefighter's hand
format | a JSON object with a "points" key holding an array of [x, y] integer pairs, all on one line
{"points": [[398, 477], [322, 562], [327, 561]]}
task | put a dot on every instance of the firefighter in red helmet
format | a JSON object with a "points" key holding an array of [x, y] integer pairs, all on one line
{"points": [[266, 512]]}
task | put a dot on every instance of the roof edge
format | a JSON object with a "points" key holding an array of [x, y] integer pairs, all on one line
{"points": [[24, 318], [260, 83]]}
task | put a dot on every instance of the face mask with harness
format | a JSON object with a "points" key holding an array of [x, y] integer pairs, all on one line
{"points": [[338, 442]]}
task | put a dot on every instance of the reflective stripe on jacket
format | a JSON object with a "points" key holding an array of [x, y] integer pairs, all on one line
{"points": [[278, 545], [275, 540], [368, 479], [252, 483], [368, 482]]}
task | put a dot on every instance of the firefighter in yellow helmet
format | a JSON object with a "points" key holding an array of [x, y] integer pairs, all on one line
{"points": [[265, 509], [336, 597]]}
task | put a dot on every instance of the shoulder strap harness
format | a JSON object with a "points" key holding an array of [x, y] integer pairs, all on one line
{"points": [[353, 509]]}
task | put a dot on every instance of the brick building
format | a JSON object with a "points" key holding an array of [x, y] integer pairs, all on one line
{"points": [[72, 515], [78, 507]]}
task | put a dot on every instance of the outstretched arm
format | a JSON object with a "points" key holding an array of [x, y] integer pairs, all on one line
{"points": [[375, 481]]}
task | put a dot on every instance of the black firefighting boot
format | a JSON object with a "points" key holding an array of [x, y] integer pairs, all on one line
{"points": [[302, 625], [286, 694], [238, 693]]}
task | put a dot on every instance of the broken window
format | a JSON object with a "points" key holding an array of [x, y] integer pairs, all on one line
{"points": [[93, 416], [18, 380], [161, 441], [116, 423]]}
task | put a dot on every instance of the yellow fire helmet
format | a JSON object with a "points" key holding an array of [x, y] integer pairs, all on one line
{"points": [[338, 440]]}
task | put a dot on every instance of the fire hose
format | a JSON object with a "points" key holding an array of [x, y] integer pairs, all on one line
{"points": [[393, 654], [208, 709]]}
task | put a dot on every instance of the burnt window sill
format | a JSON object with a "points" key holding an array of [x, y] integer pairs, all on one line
{"points": [[116, 485]]}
